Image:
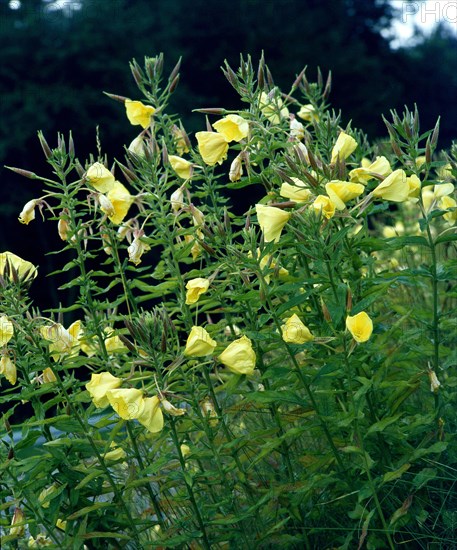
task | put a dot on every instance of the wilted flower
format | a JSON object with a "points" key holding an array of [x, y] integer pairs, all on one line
{"points": [[116, 453], [48, 376], [344, 146], [180, 139], [199, 343], [323, 206], [63, 228], [434, 382], [272, 107], [6, 330], [138, 113], [8, 369], [213, 147], [151, 416], [28, 212], [380, 166], [137, 146], [136, 249], [25, 270], [360, 326], [271, 221], [171, 409], [99, 385], [394, 188], [236, 169], [295, 332], [341, 192], [239, 357], [176, 199], [298, 192], [100, 177], [195, 288], [41, 541], [128, 403], [63, 341], [232, 127], [17, 528], [209, 411], [297, 130], [308, 113], [105, 205], [181, 166]]}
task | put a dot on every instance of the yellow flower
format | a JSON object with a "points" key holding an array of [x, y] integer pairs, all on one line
{"points": [[25, 270], [232, 127], [185, 450], [420, 161], [128, 403], [344, 146], [6, 330], [414, 187], [181, 166], [117, 453], [179, 136], [151, 416], [308, 113], [98, 387], [297, 130], [137, 146], [28, 212], [360, 326], [41, 541], [48, 376], [113, 343], [62, 341], [323, 206], [195, 288], [267, 261], [239, 357], [100, 177], [213, 147], [120, 200], [63, 228], [445, 204], [273, 107], [295, 332], [394, 188], [443, 189], [380, 166], [298, 192], [271, 221], [434, 382], [136, 249], [199, 343], [138, 113], [8, 369], [341, 192]]}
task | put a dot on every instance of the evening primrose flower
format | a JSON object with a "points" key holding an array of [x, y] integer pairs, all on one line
{"points": [[176, 199], [98, 387], [394, 188], [6, 330], [63, 341], [180, 139], [298, 192], [116, 453], [121, 201], [434, 382], [381, 166], [297, 130], [443, 190], [127, 402], [63, 228], [446, 203], [8, 369], [170, 408], [267, 261], [239, 357], [195, 288], [323, 206], [344, 146], [137, 146], [136, 249], [212, 146], [414, 185], [113, 344], [272, 221], [100, 178], [232, 127], [199, 343], [138, 113], [28, 212], [340, 192], [181, 166], [295, 332], [360, 326], [25, 270], [308, 113], [151, 416], [236, 169], [272, 107], [48, 376]]}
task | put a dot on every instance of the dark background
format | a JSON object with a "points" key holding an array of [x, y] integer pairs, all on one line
{"points": [[56, 63]]}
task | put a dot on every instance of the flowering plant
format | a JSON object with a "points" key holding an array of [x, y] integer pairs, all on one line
{"points": [[280, 377]]}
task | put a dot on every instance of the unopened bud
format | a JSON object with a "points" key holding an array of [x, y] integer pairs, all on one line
{"points": [[17, 523], [236, 169], [21, 172], [326, 312], [44, 145], [348, 300], [63, 228], [174, 84], [119, 98]]}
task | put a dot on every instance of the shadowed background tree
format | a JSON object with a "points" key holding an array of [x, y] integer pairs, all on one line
{"points": [[56, 63]]}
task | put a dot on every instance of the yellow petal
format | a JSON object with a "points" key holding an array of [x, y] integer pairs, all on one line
{"points": [[195, 288], [6, 330], [272, 221], [128, 403], [323, 206], [344, 146], [8, 369], [232, 127], [340, 192], [199, 343], [26, 270], [239, 357], [100, 177], [138, 113], [99, 385], [151, 417], [394, 188], [121, 201], [213, 147], [360, 326], [295, 332], [297, 193], [181, 166]]}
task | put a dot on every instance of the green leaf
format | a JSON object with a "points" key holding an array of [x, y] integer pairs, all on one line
{"points": [[382, 424], [390, 476]]}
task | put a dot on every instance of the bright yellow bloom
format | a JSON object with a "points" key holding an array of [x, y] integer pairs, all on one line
{"points": [[344, 146], [127, 402], [323, 206], [298, 192], [360, 326], [98, 387], [340, 192], [28, 212], [151, 416], [213, 147], [26, 270], [6, 330], [239, 357], [195, 288], [199, 343], [273, 107], [414, 185], [272, 221], [394, 188], [308, 113], [295, 332], [380, 166], [100, 177], [138, 113], [8, 369], [445, 204], [232, 127], [181, 166], [121, 200], [136, 249]]}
